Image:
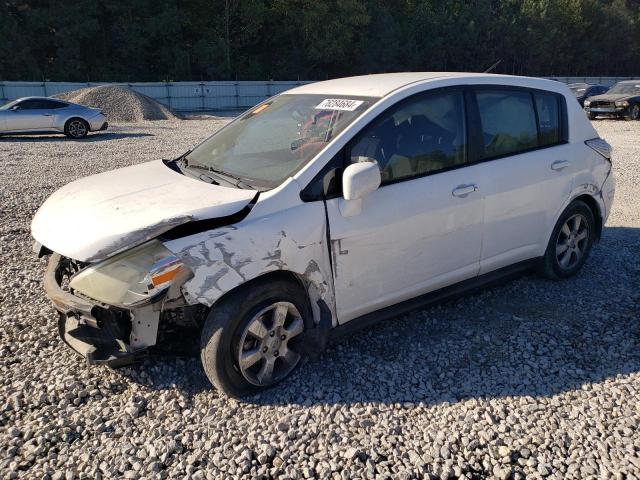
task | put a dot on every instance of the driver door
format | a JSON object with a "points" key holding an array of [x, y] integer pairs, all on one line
{"points": [[32, 114], [421, 229]]}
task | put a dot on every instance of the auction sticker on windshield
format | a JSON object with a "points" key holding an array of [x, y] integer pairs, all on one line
{"points": [[339, 104]]}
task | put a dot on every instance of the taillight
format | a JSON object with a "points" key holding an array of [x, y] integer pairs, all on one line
{"points": [[601, 146]]}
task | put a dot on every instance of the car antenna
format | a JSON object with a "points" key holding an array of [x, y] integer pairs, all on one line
{"points": [[492, 66]]}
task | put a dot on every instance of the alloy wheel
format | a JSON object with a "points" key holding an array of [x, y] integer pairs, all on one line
{"points": [[635, 112], [572, 241], [265, 354], [77, 129]]}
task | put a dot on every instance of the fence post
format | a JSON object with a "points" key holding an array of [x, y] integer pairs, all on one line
{"points": [[44, 88], [2, 96], [168, 94], [237, 95], [202, 96]]}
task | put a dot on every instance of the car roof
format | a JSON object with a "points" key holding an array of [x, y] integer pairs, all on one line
{"points": [[43, 98], [382, 84]]}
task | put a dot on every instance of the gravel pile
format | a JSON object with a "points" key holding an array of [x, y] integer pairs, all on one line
{"points": [[120, 104], [533, 379]]}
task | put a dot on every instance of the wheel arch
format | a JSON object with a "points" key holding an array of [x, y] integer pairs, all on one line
{"points": [[320, 311], [75, 117], [593, 205]]}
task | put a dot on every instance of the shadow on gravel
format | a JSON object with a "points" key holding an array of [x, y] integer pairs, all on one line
{"points": [[92, 137], [528, 337]]}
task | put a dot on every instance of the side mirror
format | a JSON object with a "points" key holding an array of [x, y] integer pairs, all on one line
{"points": [[15, 108], [358, 180]]}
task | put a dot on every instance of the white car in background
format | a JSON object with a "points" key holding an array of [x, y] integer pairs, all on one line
{"points": [[327, 207], [37, 115]]}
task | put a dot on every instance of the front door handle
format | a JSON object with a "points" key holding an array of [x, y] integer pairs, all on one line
{"points": [[464, 190], [560, 164], [46, 114]]}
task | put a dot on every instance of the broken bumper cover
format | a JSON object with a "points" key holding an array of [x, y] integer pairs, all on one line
{"points": [[99, 333]]}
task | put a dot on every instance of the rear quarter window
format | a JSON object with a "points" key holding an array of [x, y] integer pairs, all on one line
{"points": [[548, 109]]}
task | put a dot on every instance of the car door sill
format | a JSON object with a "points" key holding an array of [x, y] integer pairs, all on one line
{"points": [[471, 285]]}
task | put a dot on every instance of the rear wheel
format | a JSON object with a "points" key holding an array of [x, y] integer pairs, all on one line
{"points": [[570, 242], [634, 112], [252, 337], [76, 128]]}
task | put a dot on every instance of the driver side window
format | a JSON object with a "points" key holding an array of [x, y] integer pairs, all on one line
{"points": [[422, 135]]}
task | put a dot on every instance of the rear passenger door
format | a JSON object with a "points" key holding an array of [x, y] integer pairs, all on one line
{"points": [[421, 230], [524, 150]]}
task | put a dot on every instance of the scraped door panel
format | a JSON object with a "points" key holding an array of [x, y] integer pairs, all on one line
{"points": [[410, 238]]}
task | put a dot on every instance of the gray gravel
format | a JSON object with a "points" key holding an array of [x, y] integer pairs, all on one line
{"points": [[533, 379], [119, 104]]}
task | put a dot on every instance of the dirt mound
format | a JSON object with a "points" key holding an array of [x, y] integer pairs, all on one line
{"points": [[120, 104]]}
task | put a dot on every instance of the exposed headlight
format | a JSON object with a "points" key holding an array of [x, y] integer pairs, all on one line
{"points": [[587, 103], [622, 103], [131, 277]]}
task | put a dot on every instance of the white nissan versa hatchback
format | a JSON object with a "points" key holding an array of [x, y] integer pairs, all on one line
{"points": [[326, 207]]}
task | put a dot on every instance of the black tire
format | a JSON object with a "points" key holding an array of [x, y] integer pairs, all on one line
{"points": [[552, 265], [76, 128], [591, 116], [221, 339], [634, 112]]}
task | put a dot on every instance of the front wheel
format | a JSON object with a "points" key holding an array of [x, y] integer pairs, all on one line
{"points": [[570, 242], [591, 116], [634, 112], [252, 337], [76, 128]]}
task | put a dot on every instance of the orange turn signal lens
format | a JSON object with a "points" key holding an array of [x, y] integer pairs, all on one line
{"points": [[165, 276]]}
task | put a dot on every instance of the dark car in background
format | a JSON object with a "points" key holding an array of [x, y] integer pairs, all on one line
{"points": [[622, 101], [582, 91]]}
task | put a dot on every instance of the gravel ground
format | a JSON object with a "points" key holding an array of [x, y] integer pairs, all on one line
{"points": [[529, 380]]}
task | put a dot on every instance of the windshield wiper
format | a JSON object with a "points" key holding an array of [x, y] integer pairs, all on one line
{"points": [[239, 181]]}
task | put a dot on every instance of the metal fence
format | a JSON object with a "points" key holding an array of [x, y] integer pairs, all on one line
{"points": [[203, 96], [607, 81], [179, 96]]}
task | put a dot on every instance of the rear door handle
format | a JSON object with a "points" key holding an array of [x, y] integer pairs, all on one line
{"points": [[560, 164], [46, 114], [464, 190]]}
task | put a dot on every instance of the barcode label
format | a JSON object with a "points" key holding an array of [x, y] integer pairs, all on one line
{"points": [[339, 104]]}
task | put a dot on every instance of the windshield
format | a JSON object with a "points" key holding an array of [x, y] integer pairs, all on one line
{"points": [[275, 139], [626, 88], [9, 105]]}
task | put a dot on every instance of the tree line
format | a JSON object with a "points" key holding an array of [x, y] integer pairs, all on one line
{"points": [[155, 40]]}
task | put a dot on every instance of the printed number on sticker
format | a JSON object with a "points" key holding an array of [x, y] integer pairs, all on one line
{"points": [[339, 104]]}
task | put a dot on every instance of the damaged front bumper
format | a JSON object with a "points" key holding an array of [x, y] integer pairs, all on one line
{"points": [[102, 334]]}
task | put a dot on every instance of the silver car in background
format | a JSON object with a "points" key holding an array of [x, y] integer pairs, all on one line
{"points": [[32, 115]]}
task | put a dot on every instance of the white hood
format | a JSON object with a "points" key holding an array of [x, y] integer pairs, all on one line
{"points": [[97, 216]]}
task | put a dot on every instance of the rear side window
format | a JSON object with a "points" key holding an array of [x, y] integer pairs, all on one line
{"points": [[53, 104], [508, 122], [548, 118]]}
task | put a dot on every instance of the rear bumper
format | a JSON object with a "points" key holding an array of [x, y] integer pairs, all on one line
{"points": [[99, 333], [608, 193], [98, 123]]}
